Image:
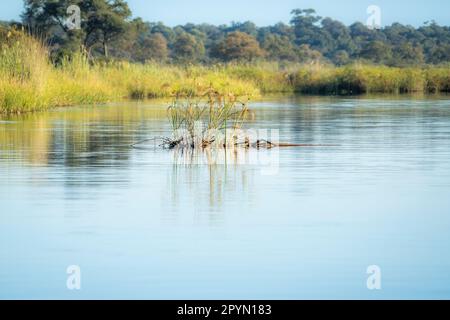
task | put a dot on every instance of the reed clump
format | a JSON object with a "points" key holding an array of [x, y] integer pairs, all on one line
{"points": [[214, 120]]}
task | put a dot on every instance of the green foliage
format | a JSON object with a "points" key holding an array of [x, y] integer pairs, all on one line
{"points": [[187, 49], [155, 48], [108, 31], [279, 47], [29, 82], [377, 51], [239, 46], [102, 23]]}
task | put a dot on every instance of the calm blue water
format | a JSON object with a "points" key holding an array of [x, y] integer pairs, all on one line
{"points": [[143, 224]]}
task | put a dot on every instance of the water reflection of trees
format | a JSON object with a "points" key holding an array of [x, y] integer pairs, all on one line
{"points": [[79, 137], [92, 140], [95, 137], [101, 135]]}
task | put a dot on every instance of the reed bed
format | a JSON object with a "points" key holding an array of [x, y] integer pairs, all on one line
{"points": [[30, 82], [364, 79]]}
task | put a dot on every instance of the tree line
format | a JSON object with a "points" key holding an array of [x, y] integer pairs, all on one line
{"points": [[108, 31]]}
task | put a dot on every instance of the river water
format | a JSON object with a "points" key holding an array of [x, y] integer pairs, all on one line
{"points": [[297, 223]]}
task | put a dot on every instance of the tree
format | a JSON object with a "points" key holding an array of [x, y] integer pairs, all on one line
{"points": [[305, 27], [279, 48], [45, 15], [239, 46], [308, 55], [440, 54], [336, 38], [406, 54], [377, 51], [106, 21], [102, 21], [107, 30], [363, 36], [245, 27], [140, 45], [187, 49], [166, 31], [156, 46], [48, 20], [341, 57]]}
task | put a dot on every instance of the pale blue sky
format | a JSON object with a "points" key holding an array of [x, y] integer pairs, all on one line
{"points": [[173, 12]]}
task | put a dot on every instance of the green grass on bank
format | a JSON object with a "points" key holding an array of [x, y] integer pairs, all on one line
{"points": [[361, 79], [29, 82]]}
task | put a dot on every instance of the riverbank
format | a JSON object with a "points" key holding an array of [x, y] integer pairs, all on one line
{"points": [[29, 82]]}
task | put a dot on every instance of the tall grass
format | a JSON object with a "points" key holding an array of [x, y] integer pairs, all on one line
{"points": [[156, 81], [357, 79], [437, 79], [23, 72], [29, 82], [267, 77]]}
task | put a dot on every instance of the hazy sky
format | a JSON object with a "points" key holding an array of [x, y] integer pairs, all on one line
{"points": [[265, 12]]}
